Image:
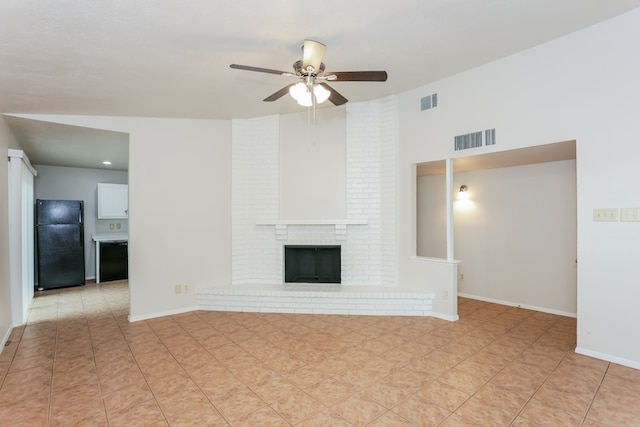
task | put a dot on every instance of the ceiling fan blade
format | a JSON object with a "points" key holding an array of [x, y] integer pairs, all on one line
{"points": [[259, 69], [357, 76], [312, 53], [279, 94], [334, 97]]}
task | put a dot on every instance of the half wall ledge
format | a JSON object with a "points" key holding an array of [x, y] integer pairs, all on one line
{"points": [[347, 300]]}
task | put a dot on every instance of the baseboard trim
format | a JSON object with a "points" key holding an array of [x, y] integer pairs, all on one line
{"points": [[5, 338], [445, 316], [608, 357], [148, 316], [518, 305]]}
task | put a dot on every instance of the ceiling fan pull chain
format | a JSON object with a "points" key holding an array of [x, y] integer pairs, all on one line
{"points": [[309, 130]]}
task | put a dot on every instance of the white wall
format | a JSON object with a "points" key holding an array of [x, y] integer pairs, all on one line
{"points": [[62, 183], [431, 221], [179, 213], [313, 168], [578, 87], [515, 237]]}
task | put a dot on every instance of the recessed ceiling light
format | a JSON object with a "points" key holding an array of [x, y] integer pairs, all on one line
{"points": [[106, 162]]}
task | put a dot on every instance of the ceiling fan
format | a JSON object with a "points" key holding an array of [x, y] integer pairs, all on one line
{"points": [[311, 87]]}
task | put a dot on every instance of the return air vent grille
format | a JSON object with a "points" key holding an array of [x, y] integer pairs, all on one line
{"points": [[474, 139], [470, 140], [490, 137], [428, 102]]}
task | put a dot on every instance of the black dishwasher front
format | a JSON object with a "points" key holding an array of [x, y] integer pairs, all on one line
{"points": [[114, 263]]}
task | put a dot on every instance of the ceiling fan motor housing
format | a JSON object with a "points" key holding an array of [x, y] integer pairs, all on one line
{"points": [[300, 70]]}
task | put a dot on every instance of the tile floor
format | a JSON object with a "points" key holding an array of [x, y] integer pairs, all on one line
{"points": [[78, 361]]}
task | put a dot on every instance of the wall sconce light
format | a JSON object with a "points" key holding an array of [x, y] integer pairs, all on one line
{"points": [[463, 194]]}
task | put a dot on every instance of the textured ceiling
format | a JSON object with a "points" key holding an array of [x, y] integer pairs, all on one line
{"points": [[55, 144], [170, 58]]}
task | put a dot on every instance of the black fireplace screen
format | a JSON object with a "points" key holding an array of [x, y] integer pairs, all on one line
{"points": [[312, 264]]}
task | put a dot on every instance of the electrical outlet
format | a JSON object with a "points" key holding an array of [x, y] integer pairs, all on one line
{"points": [[461, 276], [605, 215], [118, 226], [185, 288], [177, 289], [445, 294]]}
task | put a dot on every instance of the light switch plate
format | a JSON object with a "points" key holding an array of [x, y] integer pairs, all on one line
{"points": [[630, 214]]}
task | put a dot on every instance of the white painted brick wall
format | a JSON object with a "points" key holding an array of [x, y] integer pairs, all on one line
{"points": [[388, 193], [371, 183], [369, 252], [255, 190], [338, 302]]}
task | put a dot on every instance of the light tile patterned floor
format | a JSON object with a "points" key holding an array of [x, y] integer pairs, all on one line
{"points": [[80, 362]]}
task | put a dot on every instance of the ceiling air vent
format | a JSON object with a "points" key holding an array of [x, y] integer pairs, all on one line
{"points": [[474, 139], [429, 101]]}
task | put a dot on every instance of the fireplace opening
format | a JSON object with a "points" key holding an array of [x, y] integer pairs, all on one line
{"points": [[312, 264]]}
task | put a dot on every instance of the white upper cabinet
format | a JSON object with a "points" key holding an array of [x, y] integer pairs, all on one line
{"points": [[113, 201]]}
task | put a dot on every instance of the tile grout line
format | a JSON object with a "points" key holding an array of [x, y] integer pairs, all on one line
{"points": [[93, 352], [55, 355], [155, 398], [554, 335], [604, 375]]}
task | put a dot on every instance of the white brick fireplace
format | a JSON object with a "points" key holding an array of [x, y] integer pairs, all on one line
{"points": [[367, 235]]}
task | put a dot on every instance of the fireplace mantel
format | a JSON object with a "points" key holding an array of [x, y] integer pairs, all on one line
{"points": [[340, 225], [312, 222]]}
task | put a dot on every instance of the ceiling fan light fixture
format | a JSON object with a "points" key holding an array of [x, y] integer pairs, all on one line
{"points": [[305, 100], [321, 93], [298, 91]]}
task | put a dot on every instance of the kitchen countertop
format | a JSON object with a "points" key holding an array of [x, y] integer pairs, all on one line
{"points": [[110, 237]]}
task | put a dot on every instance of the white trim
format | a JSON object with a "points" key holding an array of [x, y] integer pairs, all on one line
{"points": [[5, 338], [312, 222], [449, 201], [437, 260], [445, 317], [109, 237], [20, 155], [609, 358], [519, 305], [21, 235], [162, 313]]}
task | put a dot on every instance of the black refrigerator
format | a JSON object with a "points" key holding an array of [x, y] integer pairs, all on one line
{"points": [[59, 243]]}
